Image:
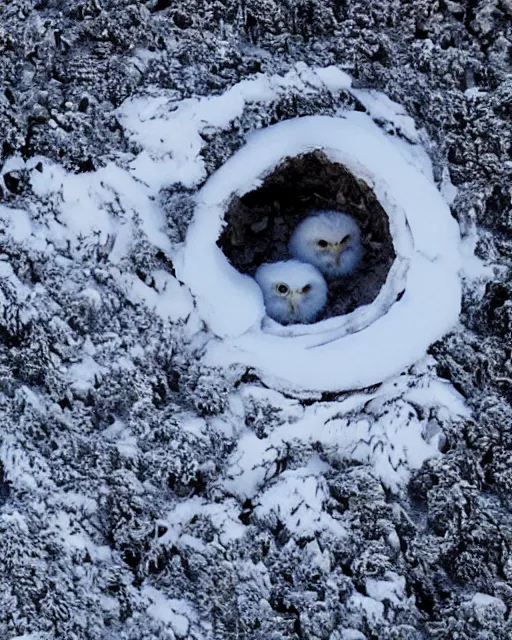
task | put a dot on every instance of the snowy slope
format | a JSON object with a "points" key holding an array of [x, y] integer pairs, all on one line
{"points": [[169, 470]]}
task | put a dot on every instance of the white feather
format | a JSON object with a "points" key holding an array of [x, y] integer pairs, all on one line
{"points": [[295, 275], [329, 226]]}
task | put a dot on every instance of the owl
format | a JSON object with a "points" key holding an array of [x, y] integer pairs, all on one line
{"points": [[294, 291], [330, 241]]}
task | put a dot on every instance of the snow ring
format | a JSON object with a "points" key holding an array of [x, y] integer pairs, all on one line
{"points": [[419, 302]]}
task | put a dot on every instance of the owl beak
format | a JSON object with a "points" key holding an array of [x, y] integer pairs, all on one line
{"points": [[293, 302], [337, 250]]}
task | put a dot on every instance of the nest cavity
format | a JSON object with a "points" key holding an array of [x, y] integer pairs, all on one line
{"points": [[259, 224]]}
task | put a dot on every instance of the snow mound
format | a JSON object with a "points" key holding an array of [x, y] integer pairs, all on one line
{"points": [[419, 302]]}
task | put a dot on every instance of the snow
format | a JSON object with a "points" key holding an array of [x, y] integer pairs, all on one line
{"points": [[379, 432], [217, 286], [16, 222], [382, 108], [21, 467], [447, 188], [385, 436], [485, 600], [352, 634], [82, 374], [439, 394], [166, 297], [169, 130], [124, 440], [362, 348], [224, 516], [109, 209], [392, 589], [486, 608], [372, 609], [334, 78], [106, 210], [33, 636], [68, 529], [176, 613], [474, 92], [297, 498]]}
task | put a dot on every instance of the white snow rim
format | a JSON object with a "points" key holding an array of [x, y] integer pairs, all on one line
{"points": [[418, 304]]}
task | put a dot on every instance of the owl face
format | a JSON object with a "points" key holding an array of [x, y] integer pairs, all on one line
{"points": [[294, 292], [329, 240]]}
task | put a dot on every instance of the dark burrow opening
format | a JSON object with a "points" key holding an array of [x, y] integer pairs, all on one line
{"points": [[259, 224]]}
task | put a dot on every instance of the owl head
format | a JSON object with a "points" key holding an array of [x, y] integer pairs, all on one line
{"points": [[329, 240], [293, 291]]}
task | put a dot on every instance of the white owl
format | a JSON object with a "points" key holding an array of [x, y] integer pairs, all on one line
{"points": [[329, 240], [294, 291]]}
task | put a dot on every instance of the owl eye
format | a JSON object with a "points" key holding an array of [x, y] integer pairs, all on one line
{"points": [[345, 240], [282, 289], [322, 243], [306, 289]]}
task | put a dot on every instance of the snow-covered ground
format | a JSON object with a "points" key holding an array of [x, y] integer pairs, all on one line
{"points": [[281, 440], [110, 208]]}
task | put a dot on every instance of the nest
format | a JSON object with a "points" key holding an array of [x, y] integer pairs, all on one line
{"points": [[259, 225]]}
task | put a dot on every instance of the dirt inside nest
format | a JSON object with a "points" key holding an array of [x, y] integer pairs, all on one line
{"points": [[259, 225]]}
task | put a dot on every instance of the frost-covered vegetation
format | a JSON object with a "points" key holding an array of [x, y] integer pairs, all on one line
{"points": [[145, 495]]}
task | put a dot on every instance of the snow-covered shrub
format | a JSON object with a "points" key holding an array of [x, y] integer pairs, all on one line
{"points": [[102, 350]]}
